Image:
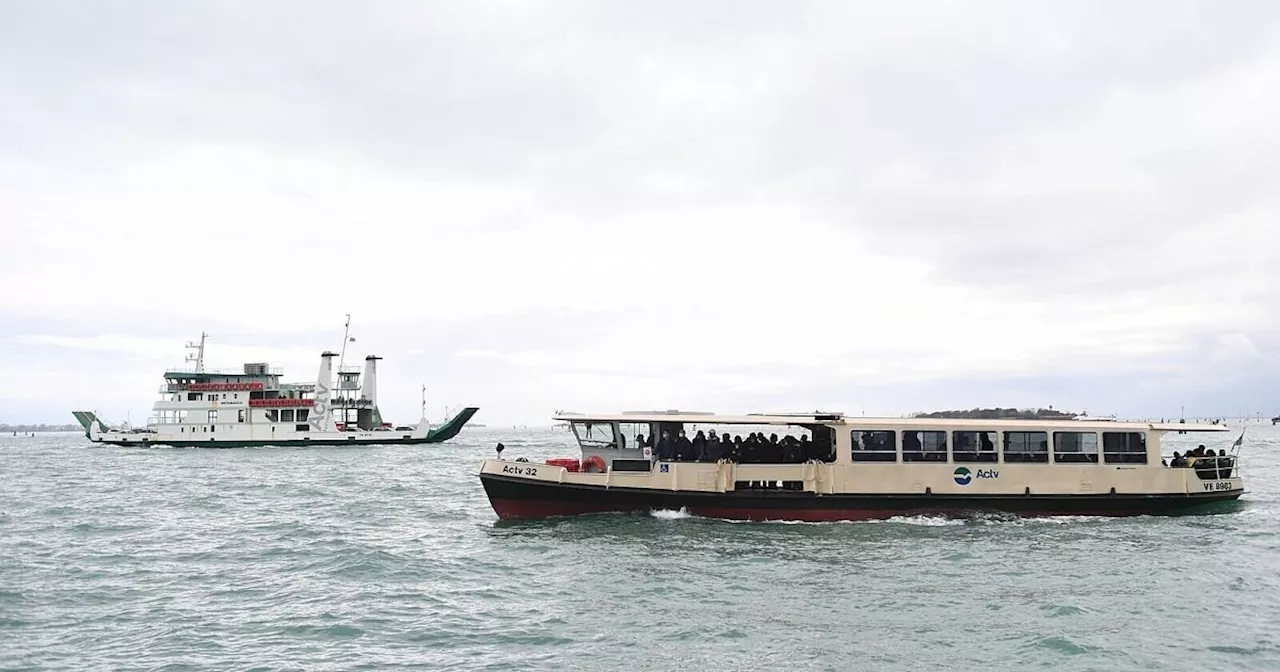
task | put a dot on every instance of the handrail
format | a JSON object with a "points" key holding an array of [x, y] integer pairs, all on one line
{"points": [[272, 371]]}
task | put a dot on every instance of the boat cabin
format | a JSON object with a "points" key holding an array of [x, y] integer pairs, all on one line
{"points": [[637, 441]]}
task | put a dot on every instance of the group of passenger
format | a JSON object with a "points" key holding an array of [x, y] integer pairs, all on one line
{"points": [[1218, 467], [756, 448]]}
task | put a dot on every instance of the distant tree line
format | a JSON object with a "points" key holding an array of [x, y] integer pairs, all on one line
{"points": [[1001, 414], [5, 429]]}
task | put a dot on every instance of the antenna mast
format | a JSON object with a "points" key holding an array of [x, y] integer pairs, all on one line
{"points": [[346, 335], [198, 358]]}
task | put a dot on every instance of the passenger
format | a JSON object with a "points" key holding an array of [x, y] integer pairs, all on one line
{"points": [[666, 447], [699, 446], [1178, 460], [773, 450], [640, 441], [791, 450], [713, 451], [684, 448], [738, 451]]}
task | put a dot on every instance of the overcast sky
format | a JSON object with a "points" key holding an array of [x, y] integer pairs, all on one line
{"points": [[726, 206]]}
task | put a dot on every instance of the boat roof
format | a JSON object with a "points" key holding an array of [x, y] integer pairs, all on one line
{"points": [[836, 418]]}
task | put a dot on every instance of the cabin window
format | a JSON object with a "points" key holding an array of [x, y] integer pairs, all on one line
{"points": [[924, 446], [1075, 447], [302, 414], [194, 396], [304, 428], [213, 416], [973, 446], [629, 433], [1026, 447], [273, 415], [240, 415], [1124, 447], [594, 434], [286, 415], [874, 446]]}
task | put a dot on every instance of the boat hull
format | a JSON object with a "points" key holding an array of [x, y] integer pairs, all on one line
{"points": [[440, 434], [516, 498]]}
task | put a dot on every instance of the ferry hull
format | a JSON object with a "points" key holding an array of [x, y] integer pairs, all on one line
{"points": [[516, 498], [440, 434]]}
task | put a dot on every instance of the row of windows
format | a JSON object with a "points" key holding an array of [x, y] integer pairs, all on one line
{"points": [[969, 446], [274, 415]]}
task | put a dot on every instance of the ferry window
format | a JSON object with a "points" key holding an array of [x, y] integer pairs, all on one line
{"points": [[286, 415], [824, 443], [1124, 447], [240, 416], [302, 414], [304, 428], [594, 433], [1075, 447], [973, 446], [273, 415], [1026, 447], [630, 432], [874, 446], [924, 446], [213, 416], [194, 396]]}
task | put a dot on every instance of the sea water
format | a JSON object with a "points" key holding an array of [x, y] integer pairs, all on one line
{"points": [[390, 557]]}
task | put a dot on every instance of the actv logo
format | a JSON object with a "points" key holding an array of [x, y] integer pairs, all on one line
{"points": [[963, 476]]}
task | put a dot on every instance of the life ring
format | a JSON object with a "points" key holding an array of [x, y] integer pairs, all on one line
{"points": [[593, 461]]}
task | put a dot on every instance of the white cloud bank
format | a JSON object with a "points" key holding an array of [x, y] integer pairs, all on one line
{"points": [[727, 206]]}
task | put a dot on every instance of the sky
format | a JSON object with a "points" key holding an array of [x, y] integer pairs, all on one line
{"points": [[729, 206]]}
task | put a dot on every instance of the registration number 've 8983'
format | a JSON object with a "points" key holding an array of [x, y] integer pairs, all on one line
{"points": [[1214, 486]]}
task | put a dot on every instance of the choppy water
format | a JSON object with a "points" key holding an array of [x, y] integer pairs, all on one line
{"points": [[383, 558]]}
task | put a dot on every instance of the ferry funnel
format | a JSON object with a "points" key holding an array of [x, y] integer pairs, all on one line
{"points": [[369, 388]]}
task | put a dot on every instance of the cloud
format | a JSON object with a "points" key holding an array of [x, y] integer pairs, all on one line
{"points": [[716, 205]]}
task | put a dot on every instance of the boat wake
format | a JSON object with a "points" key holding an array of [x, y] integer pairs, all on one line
{"points": [[669, 514]]}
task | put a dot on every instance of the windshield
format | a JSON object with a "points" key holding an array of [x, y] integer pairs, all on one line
{"points": [[594, 433]]}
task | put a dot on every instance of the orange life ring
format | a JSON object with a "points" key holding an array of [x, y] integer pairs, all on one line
{"points": [[593, 461]]}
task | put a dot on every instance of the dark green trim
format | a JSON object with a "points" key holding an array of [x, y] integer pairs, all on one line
{"points": [[213, 443], [451, 428]]}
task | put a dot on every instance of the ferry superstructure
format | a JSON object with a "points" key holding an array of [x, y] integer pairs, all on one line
{"points": [[862, 468], [255, 407]]}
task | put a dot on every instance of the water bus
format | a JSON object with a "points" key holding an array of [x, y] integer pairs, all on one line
{"points": [[831, 467], [253, 407]]}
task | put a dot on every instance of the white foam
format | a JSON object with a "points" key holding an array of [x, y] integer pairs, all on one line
{"points": [[668, 514]]}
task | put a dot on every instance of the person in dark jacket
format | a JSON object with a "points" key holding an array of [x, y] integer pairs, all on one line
{"points": [[666, 448], [684, 448]]}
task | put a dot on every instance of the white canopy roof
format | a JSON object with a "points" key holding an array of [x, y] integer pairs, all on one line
{"points": [[836, 418]]}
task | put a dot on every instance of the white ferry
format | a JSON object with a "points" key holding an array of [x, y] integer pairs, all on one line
{"points": [[828, 467], [253, 407]]}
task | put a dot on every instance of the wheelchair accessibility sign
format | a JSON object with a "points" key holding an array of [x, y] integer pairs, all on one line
{"points": [[664, 468]]}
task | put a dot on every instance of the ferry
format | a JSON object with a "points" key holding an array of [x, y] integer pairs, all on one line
{"points": [[253, 407], [828, 467]]}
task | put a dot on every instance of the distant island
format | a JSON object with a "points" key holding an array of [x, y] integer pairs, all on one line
{"points": [[1001, 414], [9, 429]]}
